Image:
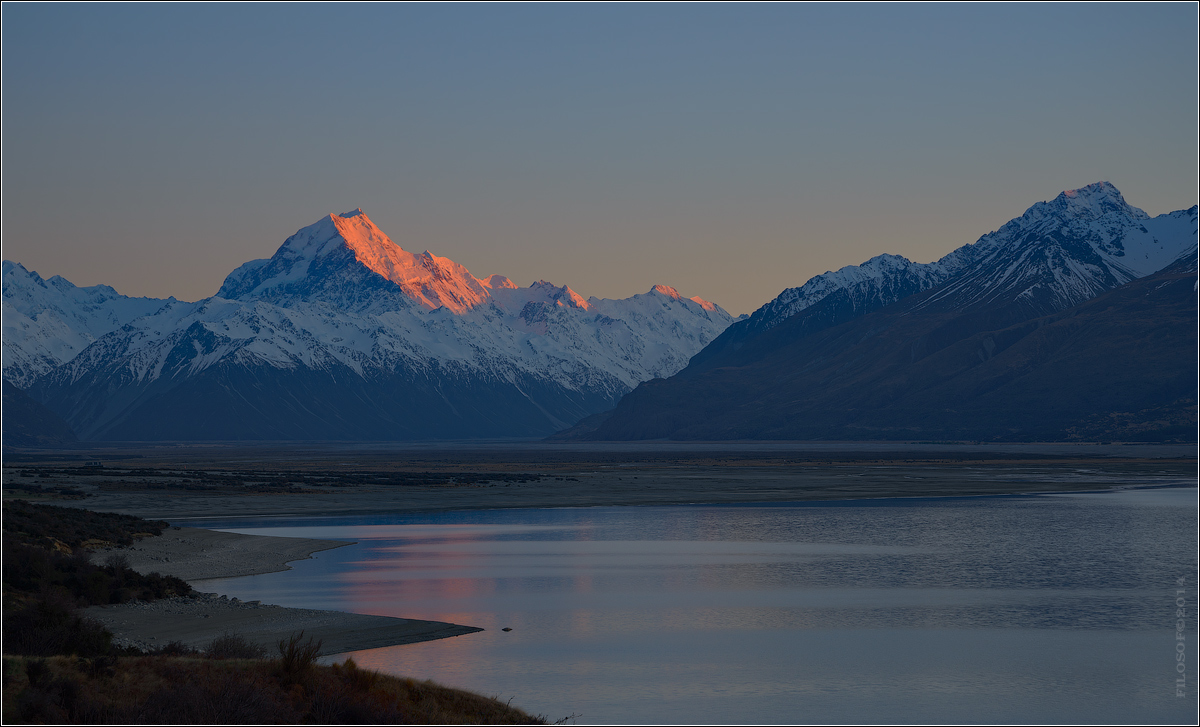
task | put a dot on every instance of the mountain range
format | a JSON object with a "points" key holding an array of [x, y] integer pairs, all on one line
{"points": [[341, 334], [1075, 320]]}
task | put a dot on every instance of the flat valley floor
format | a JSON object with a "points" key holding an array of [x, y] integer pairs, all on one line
{"points": [[193, 482]]}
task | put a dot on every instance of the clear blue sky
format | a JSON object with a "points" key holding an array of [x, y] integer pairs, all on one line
{"points": [[728, 150]]}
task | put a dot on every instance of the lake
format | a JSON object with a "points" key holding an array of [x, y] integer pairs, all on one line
{"points": [[1034, 608]]}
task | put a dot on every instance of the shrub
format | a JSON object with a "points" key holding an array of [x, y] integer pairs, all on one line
{"points": [[43, 524], [176, 648], [235, 646], [30, 569], [359, 680], [170, 690], [47, 626], [297, 657]]}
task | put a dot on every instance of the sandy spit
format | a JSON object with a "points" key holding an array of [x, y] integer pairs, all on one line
{"points": [[197, 555], [197, 621]]}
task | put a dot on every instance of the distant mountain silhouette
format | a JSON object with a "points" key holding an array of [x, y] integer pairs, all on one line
{"points": [[1018, 341]]}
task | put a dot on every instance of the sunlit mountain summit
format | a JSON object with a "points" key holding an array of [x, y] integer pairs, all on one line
{"points": [[347, 258], [343, 334]]}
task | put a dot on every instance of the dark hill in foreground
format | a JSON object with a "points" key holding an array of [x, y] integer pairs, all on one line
{"points": [[1119, 366]]}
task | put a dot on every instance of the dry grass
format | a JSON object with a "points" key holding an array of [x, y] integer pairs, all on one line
{"points": [[235, 646], [176, 690]]}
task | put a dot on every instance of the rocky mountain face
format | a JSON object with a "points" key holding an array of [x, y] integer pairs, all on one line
{"points": [[342, 334], [898, 350]]}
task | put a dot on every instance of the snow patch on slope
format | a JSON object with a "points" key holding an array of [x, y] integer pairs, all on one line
{"points": [[340, 293], [48, 322], [1063, 251]]}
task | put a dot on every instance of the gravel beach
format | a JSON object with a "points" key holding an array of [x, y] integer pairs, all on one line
{"points": [[197, 555]]}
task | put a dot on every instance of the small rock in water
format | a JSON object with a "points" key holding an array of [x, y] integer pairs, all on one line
{"points": [[506, 629]]}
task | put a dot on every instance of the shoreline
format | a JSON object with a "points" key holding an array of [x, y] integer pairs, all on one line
{"points": [[260, 483], [197, 555], [200, 554]]}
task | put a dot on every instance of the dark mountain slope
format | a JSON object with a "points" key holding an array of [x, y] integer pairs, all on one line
{"points": [[1057, 254], [248, 403], [1121, 363], [29, 424]]}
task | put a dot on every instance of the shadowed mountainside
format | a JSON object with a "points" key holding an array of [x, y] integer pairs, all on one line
{"points": [[1119, 366], [29, 424]]}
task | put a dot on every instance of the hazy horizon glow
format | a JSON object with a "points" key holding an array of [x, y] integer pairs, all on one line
{"points": [[725, 150]]}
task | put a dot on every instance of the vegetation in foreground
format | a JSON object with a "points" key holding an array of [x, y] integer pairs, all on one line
{"points": [[60, 667], [48, 575], [195, 689]]}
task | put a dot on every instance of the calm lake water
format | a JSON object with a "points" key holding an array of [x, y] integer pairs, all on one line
{"points": [[1047, 608]]}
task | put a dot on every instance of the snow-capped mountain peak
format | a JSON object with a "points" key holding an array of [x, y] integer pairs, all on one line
{"points": [[1092, 202], [517, 301], [1064, 251], [308, 259], [497, 282], [47, 322], [343, 333], [1061, 251]]}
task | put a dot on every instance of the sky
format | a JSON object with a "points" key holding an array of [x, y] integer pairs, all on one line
{"points": [[730, 151]]}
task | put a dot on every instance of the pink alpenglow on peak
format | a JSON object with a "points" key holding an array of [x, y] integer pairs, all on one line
{"points": [[706, 305], [573, 299], [429, 281], [433, 281], [341, 259]]}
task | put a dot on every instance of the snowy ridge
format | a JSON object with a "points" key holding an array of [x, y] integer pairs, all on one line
{"points": [[868, 281], [341, 291], [1065, 251], [1057, 254], [48, 322], [342, 333], [294, 271], [340, 299], [618, 343]]}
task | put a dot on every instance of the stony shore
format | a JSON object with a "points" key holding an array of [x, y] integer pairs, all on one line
{"points": [[198, 555]]}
